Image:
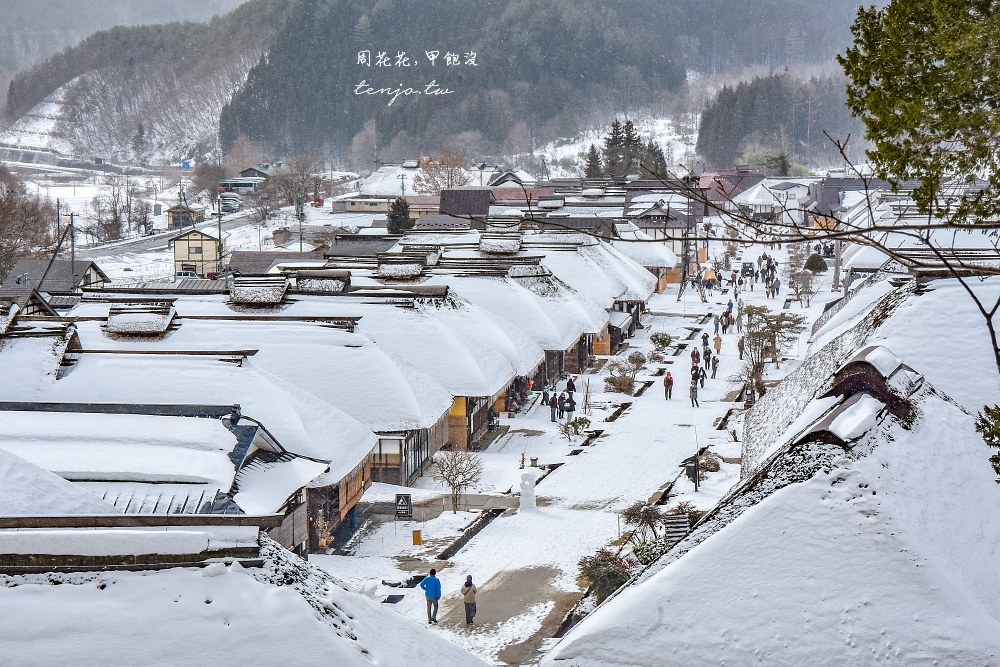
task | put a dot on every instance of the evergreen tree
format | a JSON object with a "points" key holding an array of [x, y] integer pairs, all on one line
{"points": [[654, 163], [593, 168], [399, 217], [632, 148], [778, 163], [614, 150]]}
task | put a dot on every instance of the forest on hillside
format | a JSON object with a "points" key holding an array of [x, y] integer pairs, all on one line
{"points": [[777, 114], [541, 64], [33, 30], [511, 74]]}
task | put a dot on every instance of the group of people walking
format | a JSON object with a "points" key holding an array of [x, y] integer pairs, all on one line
{"points": [[768, 272], [563, 405], [705, 361], [431, 586]]}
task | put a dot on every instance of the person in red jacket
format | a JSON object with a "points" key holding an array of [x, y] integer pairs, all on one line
{"points": [[668, 386]]}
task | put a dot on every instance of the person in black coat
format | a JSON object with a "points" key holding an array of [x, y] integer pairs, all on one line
{"points": [[570, 408], [570, 386]]}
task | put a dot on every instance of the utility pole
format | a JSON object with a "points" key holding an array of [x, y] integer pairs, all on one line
{"points": [[836, 265], [402, 184], [72, 245], [218, 243], [58, 208], [300, 214]]}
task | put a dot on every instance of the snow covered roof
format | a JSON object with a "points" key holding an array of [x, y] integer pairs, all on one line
{"points": [[214, 616], [601, 272], [859, 553], [880, 358], [548, 313], [772, 191], [29, 490], [158, 464], [640, 248], [347, 372], [303, 423]]}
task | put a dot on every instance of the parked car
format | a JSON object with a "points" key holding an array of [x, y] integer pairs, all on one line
{"points": [[230, 207], [187, 275], [749, 268]]}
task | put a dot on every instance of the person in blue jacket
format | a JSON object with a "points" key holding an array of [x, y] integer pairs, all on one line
{"points": [[432, 589]]}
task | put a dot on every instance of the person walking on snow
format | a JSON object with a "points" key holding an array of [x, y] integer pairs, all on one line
{"points": [[715, 366], [701, 377], [730, 306], [739, 346], [718, 322], [694, 394], [554, 406], [562, 404], [545, 394], [695, 356], [695, 372], [668, 386], [469, 597], [570, 386], [717, 344], [432, 591], [570, 408], [708, 357]]}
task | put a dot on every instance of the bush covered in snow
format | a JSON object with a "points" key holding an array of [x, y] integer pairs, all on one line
{"points": [[648, 552], [660, 340], [606, 572], [622, 372], [574, 427]]}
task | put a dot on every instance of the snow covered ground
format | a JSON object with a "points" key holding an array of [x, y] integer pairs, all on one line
{"points": [[566, 158], [286, 613]]}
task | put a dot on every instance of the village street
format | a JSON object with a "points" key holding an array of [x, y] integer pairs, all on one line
{"points": [[525, 563]]}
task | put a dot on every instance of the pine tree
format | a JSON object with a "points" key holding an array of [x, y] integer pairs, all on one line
{"points": [[632, 148], [614, 147], [654, 163], [593, 168], [398, 219]]}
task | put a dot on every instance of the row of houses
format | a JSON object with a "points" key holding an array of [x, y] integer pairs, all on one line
{"points": [[289, 390]]}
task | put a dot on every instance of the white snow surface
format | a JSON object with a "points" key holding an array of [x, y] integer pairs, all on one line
{"points": [[303, 423], [288, 613], [889, 557], [641, 249], [857, 419], [102, 542], [29, 490], [111, 446]]}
